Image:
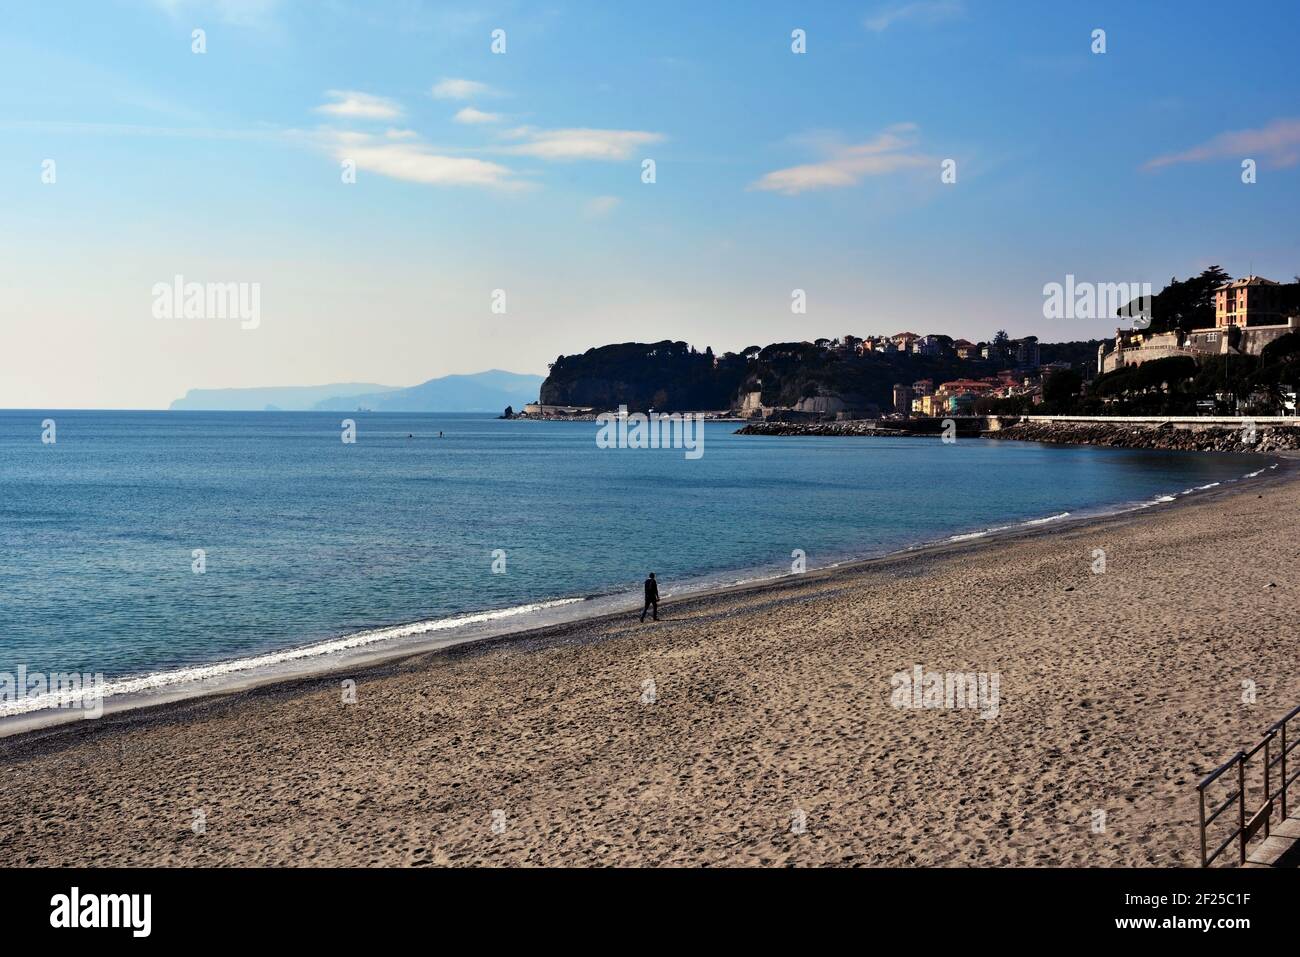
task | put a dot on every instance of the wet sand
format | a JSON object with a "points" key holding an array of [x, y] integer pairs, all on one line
{"points": [[767, 737]]}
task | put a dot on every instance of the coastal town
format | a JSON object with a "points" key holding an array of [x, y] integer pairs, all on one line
{"points": [[1022, 378], [1237, 352]]}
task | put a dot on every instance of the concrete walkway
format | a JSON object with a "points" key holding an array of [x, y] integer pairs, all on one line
{"points": [[1282, 847]]}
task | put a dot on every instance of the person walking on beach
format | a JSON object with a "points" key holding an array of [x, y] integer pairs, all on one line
{"points": [[651, 597]]}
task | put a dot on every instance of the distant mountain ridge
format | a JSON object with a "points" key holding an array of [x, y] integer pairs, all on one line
{"points": [[489, 391], [288, 398]]}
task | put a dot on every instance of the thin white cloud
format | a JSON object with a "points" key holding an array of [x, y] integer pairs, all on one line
{"points": [[359, 106], [580, 144], [472, 116], [453, 89], [925, 12], [396, 134], [416, 162], [846, 165], [601, 206], [1277, 145]]}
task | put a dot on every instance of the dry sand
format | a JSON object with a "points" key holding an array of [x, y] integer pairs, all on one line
{"points": [[1117, 692]]}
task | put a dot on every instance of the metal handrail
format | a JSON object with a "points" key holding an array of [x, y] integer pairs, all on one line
{"points": [[1222, 807], [1248, 826], [1281, 758], [1209, 779], [1283, 720]]}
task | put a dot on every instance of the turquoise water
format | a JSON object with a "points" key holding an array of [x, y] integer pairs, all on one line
{"points": [[306, 538]]}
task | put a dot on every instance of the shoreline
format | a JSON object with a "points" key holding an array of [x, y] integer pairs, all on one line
{"points": [[769, 696], [380, 645], [377, 655]]}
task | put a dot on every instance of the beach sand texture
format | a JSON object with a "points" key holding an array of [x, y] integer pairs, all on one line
{"points": [[1118, 691]]}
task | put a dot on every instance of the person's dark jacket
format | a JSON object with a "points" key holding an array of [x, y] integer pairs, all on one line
{"points": [[651, 590]]}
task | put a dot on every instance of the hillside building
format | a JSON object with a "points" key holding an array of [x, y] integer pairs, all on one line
{"points": [[1248, 314]]}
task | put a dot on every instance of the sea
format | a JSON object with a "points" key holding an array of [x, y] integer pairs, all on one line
{"points": [[171, 551]]}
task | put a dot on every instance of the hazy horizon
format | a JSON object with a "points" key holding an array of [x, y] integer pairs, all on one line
{"points": [[130, 159]]}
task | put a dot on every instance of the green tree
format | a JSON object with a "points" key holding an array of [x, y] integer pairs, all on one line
{"points": [[1280, 348], [1061, 386], [1184, 304]]}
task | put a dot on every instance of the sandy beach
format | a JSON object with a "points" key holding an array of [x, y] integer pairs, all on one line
{"points": [[745, 728]]}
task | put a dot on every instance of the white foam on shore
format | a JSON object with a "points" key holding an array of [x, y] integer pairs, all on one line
{"points": [[966, 536], [1159, 500], [1044, 521], [197, 675], [1200, 488], [164, 679]]}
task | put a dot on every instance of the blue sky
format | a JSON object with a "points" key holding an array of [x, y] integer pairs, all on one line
{"points": [[522, 171]]}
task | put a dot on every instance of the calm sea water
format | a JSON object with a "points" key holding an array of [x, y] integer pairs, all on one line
{"points": [[306, 538]]}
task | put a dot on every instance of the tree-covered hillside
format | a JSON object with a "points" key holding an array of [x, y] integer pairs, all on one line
{"points": [[790, 371], [667, 376], [675, 377]]}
